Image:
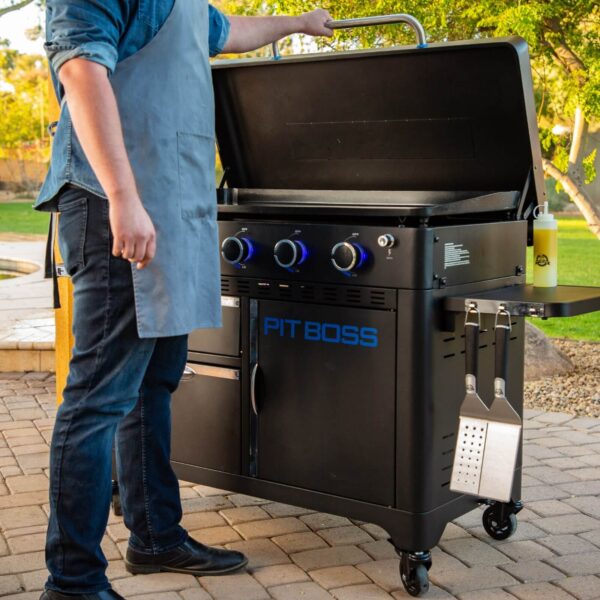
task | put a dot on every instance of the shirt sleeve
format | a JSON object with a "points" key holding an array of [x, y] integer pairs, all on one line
{"points": [[218, 30], [87, 29]]}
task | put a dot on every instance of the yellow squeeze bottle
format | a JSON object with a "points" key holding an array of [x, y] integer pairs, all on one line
{"points": [[545, 249]]}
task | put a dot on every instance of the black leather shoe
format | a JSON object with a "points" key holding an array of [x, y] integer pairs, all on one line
{"points": [[191, 557], [106, 595]]}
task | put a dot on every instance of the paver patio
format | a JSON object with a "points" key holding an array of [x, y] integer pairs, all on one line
{"points": [[297, 554]]}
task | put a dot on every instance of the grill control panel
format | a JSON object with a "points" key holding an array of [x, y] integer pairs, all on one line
{"points": [[350, 254]]}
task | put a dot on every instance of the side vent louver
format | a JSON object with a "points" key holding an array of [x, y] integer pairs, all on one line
{"points": [[354, 295], [377, 297], [243, 286], [225, 285], [330, 294], [447, 454]]}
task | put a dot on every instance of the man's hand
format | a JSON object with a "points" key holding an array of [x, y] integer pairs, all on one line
{"points": [[314, 23], [250, 33], [133, 231]]}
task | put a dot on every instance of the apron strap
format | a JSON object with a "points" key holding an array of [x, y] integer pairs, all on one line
{"points": [[51, 268]]}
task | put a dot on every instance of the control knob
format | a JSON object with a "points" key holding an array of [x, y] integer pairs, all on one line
{"points": [[289, 253], [347, 256], [236, 250]]}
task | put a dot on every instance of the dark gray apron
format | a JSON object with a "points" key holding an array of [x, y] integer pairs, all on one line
{"points": [[166, 103]]}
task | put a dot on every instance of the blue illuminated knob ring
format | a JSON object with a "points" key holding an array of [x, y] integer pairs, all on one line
{"points": [[347, 256], [298, 253], [236, 251]]}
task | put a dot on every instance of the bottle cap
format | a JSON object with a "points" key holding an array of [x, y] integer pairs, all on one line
{"points": [[543, 214]]}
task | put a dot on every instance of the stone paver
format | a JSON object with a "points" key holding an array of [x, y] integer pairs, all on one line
{"points": [[298, 554]]}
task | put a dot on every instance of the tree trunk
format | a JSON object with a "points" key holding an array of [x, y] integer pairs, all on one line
{"points": [[578, 196], [573, 180]]}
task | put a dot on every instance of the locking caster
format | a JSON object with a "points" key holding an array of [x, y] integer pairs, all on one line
{"points": [[500, 519], [414, 571]]}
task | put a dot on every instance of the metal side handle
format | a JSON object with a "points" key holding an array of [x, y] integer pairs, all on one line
{"points": [[253, 375], [371, 22], [191, 371]]}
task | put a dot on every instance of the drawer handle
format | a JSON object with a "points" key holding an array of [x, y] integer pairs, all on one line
{"points": [[253, 389], [191, 371]]}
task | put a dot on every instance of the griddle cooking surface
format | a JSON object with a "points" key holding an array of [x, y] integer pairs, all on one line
{"points": [[404, 203]]}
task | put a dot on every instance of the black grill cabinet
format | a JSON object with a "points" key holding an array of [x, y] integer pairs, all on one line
{"points": [[369, 195]]}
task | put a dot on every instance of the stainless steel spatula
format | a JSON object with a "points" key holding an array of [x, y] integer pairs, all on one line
{"points": [[488, 439], [504, 427], [472, 431]]}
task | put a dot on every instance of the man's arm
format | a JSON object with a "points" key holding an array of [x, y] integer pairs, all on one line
{"points": [[95, 116], [250, 33]]}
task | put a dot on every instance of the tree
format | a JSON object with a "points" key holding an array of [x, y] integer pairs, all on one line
{"points": [[8, 6], [564, 43], [23, 110]]}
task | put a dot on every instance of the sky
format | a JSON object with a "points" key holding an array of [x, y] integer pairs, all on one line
{"points": [[14, 24]]}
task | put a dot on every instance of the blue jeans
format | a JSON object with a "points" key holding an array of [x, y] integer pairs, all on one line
{"points": [[118, 390]]}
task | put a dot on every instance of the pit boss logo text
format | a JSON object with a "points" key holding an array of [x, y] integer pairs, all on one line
{"points": [[315, 331]]}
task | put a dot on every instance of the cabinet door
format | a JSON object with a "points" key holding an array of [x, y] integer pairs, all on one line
{"points": [[206, 418], [326, 399]]}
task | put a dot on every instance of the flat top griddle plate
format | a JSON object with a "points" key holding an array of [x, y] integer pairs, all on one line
{"points": [[369, 203]]}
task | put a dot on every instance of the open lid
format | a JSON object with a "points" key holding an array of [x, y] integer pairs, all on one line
{"points": [[452, 116]]}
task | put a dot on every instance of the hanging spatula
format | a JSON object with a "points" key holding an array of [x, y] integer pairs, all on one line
{"points": [[504, 427], [488, 439], [472, 430]]}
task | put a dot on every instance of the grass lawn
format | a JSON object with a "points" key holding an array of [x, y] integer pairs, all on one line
{"points": [[19, 217], [578, 264]]}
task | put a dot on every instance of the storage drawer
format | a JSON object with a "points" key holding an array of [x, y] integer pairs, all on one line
{"points": [[222, 340], [206, 418]]}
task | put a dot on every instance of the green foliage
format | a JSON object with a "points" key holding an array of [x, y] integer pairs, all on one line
{"points": [[23, 100], [563, 38], [589, 167]]}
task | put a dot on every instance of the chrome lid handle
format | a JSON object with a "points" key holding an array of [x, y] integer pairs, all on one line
{"points": [[371, 22]]}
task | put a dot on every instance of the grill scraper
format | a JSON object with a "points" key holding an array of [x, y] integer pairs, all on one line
{"points": [[488, 439]]}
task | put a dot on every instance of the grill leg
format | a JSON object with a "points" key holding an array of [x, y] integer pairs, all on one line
{"points": [[414, 571], [116, 496]]}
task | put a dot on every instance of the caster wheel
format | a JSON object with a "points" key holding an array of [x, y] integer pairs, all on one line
{"points": [[414, 575], [495, 527]]}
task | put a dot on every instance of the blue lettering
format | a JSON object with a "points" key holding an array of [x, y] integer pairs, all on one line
{"points": [[331, 333], [350, 335], [368, 337], [331, 338], [292, 323], [271, 324], [312, 331]]}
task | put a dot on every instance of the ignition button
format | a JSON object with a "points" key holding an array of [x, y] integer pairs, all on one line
{"points": [[387, 240]]}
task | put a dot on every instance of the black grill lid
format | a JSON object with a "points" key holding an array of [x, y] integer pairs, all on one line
{"points": [[454, 116]]}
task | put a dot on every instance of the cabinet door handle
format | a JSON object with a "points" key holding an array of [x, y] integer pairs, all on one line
{"points": [[253, 389], [191, 371]]}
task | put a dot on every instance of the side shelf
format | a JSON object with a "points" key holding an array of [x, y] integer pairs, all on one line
{"points": [[528, 301]]}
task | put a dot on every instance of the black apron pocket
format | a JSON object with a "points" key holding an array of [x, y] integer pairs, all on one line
{"points": [[196, 166], [72, 227]]}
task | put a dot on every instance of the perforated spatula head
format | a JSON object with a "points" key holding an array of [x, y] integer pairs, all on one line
{"points": [[472, 430]]}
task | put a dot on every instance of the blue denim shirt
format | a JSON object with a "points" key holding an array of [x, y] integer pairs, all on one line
{"points": [[106, 32]]}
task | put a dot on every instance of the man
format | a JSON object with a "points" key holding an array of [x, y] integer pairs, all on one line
{"points": [[132, 174]]}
